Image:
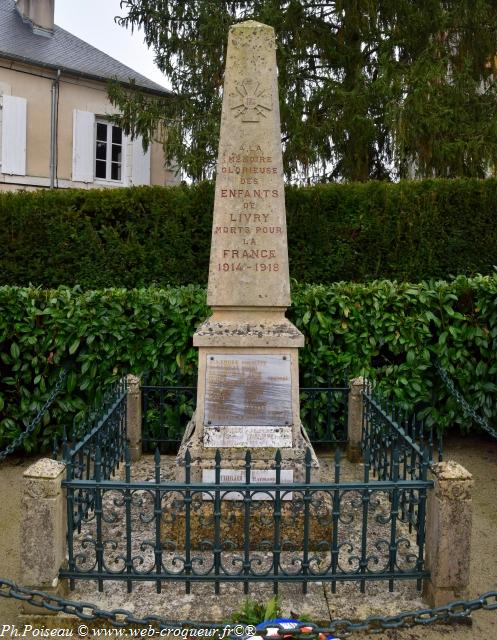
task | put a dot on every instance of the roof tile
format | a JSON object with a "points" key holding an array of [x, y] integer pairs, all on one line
{"points": [[62, 51]]}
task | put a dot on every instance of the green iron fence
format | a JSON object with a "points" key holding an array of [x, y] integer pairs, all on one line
{"points": [[387, 428], [104, 435], [167, 408], [167, 530], [162, 529], [400, 447], [190, 531]]}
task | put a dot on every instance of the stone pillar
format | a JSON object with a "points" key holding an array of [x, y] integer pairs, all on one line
{"points": [[134, 417], [248, 382], [448, 533], [354, 421], [43, 526]]}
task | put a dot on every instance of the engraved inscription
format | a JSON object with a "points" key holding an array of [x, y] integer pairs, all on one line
{"points": [[257, 476], [247, 437], [249, 254], [248, 390], [251, 102], [250, 194]]}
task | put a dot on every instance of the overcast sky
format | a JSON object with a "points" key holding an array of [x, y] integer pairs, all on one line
{"points": [[93, 21]]}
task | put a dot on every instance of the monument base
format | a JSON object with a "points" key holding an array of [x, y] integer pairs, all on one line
{"points": [[233, 458], [261, 524], [247, 396]]}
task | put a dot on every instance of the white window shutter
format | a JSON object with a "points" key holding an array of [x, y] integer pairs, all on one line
{"points": [[140, 163], [83, 146], [14, 135]]}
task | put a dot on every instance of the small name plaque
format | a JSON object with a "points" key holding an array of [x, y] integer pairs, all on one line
{"points": [[257, 476], [248, 391], [249, 437]]}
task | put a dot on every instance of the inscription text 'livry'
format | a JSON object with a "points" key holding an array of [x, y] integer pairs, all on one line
{"points": [[249, 208]]}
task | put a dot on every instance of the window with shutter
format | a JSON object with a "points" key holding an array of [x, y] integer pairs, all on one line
{"points": [[14, 118], [83, 146], [109, 152], [140, 163]]}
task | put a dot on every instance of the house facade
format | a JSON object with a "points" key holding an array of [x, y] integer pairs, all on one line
{"points": [[54, 117]]}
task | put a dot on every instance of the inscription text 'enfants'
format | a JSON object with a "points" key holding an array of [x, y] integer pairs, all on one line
{"points": [[235, 164]]}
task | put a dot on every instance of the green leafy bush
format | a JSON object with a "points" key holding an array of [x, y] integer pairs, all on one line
{"points": [[355, 232], [108, 332], [389, 331], [385, 329]]}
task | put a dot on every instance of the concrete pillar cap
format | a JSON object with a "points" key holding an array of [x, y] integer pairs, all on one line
{"points": [[45, 468]]}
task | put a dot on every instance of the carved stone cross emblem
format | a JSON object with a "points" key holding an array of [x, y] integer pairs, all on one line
{"points": [[251, 102]]}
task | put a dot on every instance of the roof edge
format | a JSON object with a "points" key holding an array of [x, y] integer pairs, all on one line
{"points": [[82, 74]]}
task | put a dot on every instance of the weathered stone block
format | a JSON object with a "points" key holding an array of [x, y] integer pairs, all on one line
{"points": [[354, 423], [249, 252], [43, 531], [134, 417], [448, 533]]}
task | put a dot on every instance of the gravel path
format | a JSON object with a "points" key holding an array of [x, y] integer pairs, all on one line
{"points": [[478, 454]]}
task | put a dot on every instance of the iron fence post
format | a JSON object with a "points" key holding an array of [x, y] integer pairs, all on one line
{"points": [[335, 549], [421, 517], [247, 499], [134, 417], [157, 519], [365, 500], [448, 533], [277, 522], [127, 506], [217, 520], [307, 497], [354, 420], [394, 514], [188, 507], [99, 542]]}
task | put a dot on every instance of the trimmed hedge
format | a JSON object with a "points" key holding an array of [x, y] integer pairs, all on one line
{"points": [[385, 329], [355, 232], [101, 238]]}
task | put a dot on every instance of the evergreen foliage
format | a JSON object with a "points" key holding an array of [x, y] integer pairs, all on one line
{"points": [[139, 236], [383, 329], [368, 88]]}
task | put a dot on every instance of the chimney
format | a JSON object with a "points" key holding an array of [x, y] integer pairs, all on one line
{"points": [[39, 14]]}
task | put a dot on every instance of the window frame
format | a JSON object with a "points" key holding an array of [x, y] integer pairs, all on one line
{"points": [[108, 155]]}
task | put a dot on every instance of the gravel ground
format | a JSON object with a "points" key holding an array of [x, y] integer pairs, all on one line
{"points": [[316, 604], [478, 454]]}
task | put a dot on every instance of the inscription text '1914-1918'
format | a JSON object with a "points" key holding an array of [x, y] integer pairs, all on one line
{"points": [[254, 226]]}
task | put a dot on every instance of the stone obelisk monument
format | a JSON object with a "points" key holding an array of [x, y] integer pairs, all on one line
{"points": [[248, 382]]}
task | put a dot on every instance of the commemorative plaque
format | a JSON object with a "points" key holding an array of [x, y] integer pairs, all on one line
{"points": [[248, 390]]}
